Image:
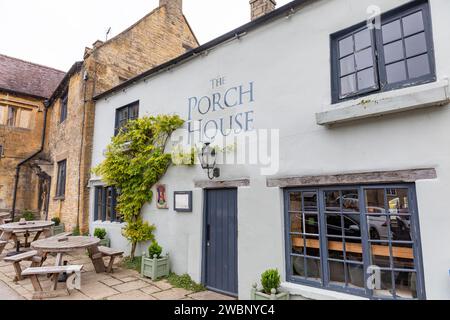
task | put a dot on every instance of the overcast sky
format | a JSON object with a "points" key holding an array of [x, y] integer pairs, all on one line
{"points": [[55, 32]]}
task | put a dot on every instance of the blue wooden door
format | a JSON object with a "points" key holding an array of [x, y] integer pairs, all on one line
{"points": [[221, 241]]}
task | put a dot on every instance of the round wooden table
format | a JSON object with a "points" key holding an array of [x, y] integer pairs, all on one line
{"points": [[11, 229], [63, 245]]}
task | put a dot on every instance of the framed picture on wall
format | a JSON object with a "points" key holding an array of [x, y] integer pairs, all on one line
{"points": [[161, 197], [182, 201]]}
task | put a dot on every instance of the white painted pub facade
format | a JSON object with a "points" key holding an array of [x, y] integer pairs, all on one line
{"points": [[356, 114]]}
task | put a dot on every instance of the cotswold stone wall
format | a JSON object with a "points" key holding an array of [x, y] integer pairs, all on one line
{"points": [[19, 143], [157, 38]]}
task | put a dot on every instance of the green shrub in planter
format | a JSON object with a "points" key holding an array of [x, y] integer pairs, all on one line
{"points": [[58, 227], [270, 281], [153, 265], [101, 234]]}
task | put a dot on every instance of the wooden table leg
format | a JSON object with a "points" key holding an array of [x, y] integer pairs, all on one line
{"points": [[4, 238], [58, 262], [97, 259], [38, 234]]}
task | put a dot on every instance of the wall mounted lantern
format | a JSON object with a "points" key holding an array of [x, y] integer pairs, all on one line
{"points": [[207, 156]]}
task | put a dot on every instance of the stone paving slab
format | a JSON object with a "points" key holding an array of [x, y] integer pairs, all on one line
{"points": [[97, 290], [132, 295], [150, 289], [111, 281], [209, 295], [172, 294], [129, 286]]}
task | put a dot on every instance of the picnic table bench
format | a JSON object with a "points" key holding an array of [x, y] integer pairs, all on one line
{"points": [[112, 254], [72, 282]]}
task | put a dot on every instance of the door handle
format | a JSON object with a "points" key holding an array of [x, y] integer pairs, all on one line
{"points": [[208, 234]]}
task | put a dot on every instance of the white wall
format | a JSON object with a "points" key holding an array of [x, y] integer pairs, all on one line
{"points": [[288, 61]]}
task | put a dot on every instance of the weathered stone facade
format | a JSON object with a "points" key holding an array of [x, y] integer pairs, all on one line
{"points": [[158, 37], [259, 8], [19, 143]]}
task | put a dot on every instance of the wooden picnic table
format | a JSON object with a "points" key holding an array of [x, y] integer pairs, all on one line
{"points": [[9, 231], [64, 245]]}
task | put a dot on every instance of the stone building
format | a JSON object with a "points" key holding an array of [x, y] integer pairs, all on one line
{"points": [[24, 86], [160, 36]]}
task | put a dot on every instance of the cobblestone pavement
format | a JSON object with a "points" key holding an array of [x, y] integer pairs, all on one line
{"points": [[122, 284]]}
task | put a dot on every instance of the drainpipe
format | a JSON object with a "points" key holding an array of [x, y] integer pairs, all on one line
{"points": [[16, 182]]}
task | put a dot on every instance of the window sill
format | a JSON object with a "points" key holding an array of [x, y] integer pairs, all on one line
{"points": [[59, 198], [380, 104], [316, 293]]}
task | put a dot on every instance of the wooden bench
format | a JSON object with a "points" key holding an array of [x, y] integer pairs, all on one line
{"points": [[72, 282], [112, 253], [26, 256]]}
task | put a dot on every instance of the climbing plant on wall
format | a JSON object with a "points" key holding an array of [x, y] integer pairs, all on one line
{"points": [[134, 162]]}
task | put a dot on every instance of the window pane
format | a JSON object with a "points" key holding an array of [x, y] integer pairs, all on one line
{"points": [[335, 248], [296, 222], [345, 46], [312, 246], [332, 201], [398, 201], [298, 266], [350, 201], [347, 65], [415, 45], [310, 201], [311, 223], [295, 201], [334, 224], [396, 72], [352, 225], [413, 23], [377, 226], [355, 275], [337, 272], [348, 84], [391, 31], [374, 200], [366, 79], [364, 59], [362, 39], [313, 269], [403, 256], [400, 228], [385, 289], [418, 66], [405, 284], [298, 244], [393, 51]]}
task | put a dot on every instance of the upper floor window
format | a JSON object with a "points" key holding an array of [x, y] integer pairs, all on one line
{"points": [[396, 54], [125, 114], [63, 107], [15, 117], [61, 182]]}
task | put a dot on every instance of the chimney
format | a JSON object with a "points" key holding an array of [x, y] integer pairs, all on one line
{"points": [[173, 6], [261, 7]]}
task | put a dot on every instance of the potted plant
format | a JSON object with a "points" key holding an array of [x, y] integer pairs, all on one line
{"points": [[101, 234], [58, 227], [270, 281], [153, 264]]}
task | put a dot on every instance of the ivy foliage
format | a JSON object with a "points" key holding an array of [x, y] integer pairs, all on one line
{"points": [[134, 162]]}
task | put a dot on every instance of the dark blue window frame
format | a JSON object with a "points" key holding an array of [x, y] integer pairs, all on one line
{"points": [[64, 106], [378, 45], [324, 282], [102, 204], [125, 114]]}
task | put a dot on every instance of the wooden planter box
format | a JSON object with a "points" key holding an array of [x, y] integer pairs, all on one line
{"points": [[259, 295], [105, 242], [58, 229], [155, 268]]}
